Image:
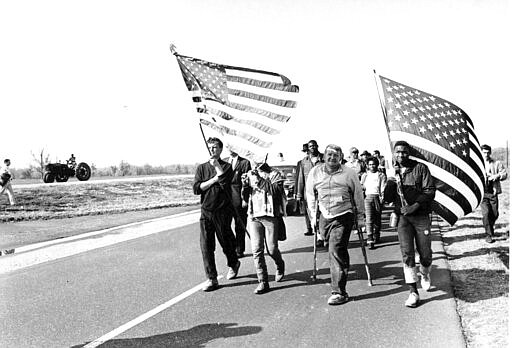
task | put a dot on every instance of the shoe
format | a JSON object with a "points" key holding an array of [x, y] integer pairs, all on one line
{"points": [[308, 233], [280, 275], [320, 243], [371, 242], [233, 271], [337, 299], [412, 300], [377, 239], [425, 281], [211, 284], [240, 255], [262, 288], [489, 239]]}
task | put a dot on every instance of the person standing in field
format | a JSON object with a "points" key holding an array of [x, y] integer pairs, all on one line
{"points": [[494, 173], [312, 159], [213, 182], [338, 192], [373, 183], [412, 193], [240, 166], [5, 181]]}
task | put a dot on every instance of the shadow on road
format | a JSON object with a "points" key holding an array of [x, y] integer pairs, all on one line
{"points": [[197, 336]]}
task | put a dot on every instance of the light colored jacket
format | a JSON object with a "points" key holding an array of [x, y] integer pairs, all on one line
{"points": [[338, 193], [496, 168], [266, 197], [382, 183]]}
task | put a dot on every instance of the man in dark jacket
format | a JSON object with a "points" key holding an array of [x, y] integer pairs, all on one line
{"points": [[412, 193], [240, 166], [213, 182]]}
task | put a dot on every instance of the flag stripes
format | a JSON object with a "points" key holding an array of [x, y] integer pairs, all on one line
{"points": [[442, 137], [245, 107]]}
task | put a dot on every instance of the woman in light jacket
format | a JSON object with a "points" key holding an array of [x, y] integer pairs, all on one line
{"points": [[264, 189]]}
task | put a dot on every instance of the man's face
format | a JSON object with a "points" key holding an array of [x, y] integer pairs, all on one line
{"points": [[375, 154], [215, 150], [401, 154], [233, 153], [332, 158], [487, 154], [355, 154], [313, 147]]}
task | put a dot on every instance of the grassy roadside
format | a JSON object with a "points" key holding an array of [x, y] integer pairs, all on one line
{"points": [[480, 275]]}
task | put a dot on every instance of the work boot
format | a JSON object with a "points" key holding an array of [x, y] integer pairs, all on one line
{"points": [[233, 271], [211, 284], [280, 274], [262, 288]]}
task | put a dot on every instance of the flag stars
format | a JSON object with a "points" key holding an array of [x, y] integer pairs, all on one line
{"points": [[422, 129], [452, 145], [414, 110], [438, 136], [423, 118], [430, 127], [390, 100], [406, 113], [414, 120], [405, 125], [445, 134], [398, 106], [398, 117]]}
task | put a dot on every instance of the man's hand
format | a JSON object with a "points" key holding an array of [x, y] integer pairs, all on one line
{"points": [[215, 163], [409, 209], [360, 223]]}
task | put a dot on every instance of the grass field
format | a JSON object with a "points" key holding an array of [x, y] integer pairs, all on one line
{"points": [[93, 198], [480, 275]]}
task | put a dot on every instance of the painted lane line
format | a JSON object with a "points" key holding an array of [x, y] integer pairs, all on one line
{"points": [[94, 233], [14, 262], [144, 317]]}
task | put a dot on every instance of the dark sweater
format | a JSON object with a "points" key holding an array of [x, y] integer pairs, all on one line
{"points": [[217, 196]]}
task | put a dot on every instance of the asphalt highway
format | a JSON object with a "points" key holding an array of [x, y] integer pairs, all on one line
{"points": [[144, 291]]}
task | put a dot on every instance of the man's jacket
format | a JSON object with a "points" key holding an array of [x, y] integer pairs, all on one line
{"points": [[496, 167], [417, 186], [304, 167]]}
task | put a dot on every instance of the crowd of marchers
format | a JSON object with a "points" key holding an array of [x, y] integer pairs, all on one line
{"points": [[336, 195]]}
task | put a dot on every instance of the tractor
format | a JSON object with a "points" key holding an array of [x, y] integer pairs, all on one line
{"points": [[62, 172]]}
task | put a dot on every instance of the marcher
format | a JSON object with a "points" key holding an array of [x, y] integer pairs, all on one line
{"points": [[364, 157], [355, 163], [338, 192], [264, 187], [374, 183], [313, 158], [213, 182], [72, 161], [412, 194], [494, 173], [240, 166], [382, 161], [5, 181]]}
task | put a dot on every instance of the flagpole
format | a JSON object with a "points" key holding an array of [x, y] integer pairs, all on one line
{"points": [[204, 138]]}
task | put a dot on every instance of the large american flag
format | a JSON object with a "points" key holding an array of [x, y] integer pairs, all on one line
{"points": [[442, 136], [246, 108]]}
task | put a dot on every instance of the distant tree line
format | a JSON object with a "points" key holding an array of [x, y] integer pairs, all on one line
{"points": [[122, 169]]}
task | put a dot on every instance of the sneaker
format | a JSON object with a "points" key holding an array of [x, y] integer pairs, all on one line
{"points": [[489, 239], [412, 300], [425, 281], [371, 242], [233, 271], [262, 288], [337, 299], [320, 243], [211, 284]]}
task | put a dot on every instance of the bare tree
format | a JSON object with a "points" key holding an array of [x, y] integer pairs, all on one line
{"points": [[40, 160]]}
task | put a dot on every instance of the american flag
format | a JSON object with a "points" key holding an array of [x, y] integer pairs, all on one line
{"points": [[442, 136], [246, 108]]}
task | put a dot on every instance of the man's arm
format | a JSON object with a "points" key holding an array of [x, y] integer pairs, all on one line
{"points": [[428, 191], [501, 172], [357, 197]]}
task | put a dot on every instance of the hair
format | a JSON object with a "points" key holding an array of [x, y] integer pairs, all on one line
{"points": [[335, 148], [401, 143], [212, 140], [6, 160], [372, 159], [376, 151], [313, 141], [486, 147]]}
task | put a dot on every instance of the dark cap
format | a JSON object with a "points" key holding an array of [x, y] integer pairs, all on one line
{"points": [[365, 153], [304, 147], [486, 147]]}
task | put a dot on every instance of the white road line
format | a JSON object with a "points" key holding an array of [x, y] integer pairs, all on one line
{"points": [[144, 317]]}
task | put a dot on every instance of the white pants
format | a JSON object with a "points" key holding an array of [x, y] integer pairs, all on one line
{"points": [[7, 189]]}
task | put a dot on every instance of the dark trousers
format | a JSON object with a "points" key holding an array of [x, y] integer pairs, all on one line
{"points": [[306, 215], [240, 218], [216, 224], [337, 232], [490, 212], [414, 234]]}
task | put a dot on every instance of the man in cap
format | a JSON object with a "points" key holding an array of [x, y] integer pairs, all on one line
{"points": [[355, 163]]}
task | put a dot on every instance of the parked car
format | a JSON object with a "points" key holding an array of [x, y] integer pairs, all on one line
{"points": [[290, 174]]}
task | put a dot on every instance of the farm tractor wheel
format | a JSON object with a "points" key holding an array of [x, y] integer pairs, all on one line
{"points": [[83, 171], [48, 178], [61, 178]]}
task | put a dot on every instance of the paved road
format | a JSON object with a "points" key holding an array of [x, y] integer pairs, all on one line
{"points": [[144, 292]]}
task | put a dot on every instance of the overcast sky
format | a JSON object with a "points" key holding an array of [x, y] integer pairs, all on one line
{"points": [[97, 79]]}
